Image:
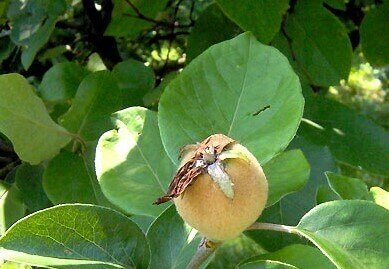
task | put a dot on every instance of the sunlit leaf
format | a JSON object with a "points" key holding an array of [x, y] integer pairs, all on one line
{"points": [[131, 164], [240, 88], [25, 121], [69, 236]]}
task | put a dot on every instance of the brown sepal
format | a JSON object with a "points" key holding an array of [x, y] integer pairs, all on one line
{"points": [[191, 169]]}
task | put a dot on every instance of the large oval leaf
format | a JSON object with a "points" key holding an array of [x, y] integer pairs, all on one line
{"points": [[25, 121], [352, 234], [131, 164], [172, 242], [76, 235], [240, 88]]}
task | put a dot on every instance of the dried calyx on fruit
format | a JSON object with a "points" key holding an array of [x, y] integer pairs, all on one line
{"points": [[219, 189]]}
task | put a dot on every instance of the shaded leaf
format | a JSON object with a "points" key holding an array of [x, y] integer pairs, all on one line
{"points": [[290, 209], [172, 242], [134, 79], [262, 18], [6, 47], [337, 4], [348, 188], [352, 138], [76, 236], [301, 256], [67, 180], [61, 81], [286, 173], [211, 28], [11, 206], [320, 43], [131, 164], [325, 194], [374, 33], [229, 255], [29, 181], [97, 97], [239, 88], [25, 121], [33, 21]]}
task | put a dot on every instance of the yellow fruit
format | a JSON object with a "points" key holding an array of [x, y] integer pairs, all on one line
{"points": [[207, 209]]}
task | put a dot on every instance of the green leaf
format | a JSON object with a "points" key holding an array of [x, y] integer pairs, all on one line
{"points": [[262, 18], [325, 194], [337, 4], [67, 180], [131, 164], [172, 242], [25, 121], [144, 222], [240, 88], [380, 196], [97, 97], [320, 43], [266, 265], [301, 256], [134, 79], [11, 206], [211, 28], [350, 233], [74, 236], [124, 21], [12, 265], [6, 47], [33, 21], [286, 173], [152, 97], [28, 179], [290, 209], [233, 251], [352, 138], [61, 81], [348, 188], [374, 35]]}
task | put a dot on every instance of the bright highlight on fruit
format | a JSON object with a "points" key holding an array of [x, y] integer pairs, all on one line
{"points": [[220, 188]]}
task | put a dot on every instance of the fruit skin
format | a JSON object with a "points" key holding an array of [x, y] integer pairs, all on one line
{"points": [[206, 208]]}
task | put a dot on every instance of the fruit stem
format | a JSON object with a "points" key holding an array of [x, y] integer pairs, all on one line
{"points": [[204, 250], [271, 226]]}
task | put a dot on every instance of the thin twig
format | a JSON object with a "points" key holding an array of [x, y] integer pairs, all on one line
{"points": [[141, 16], [205, 249], [271, 226]]}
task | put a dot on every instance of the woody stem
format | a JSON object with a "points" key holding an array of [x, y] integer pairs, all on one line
{"points": [[204, 250]]}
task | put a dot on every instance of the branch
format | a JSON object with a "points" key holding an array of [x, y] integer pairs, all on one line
{"points": [[205, 249], [139, 15]]}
